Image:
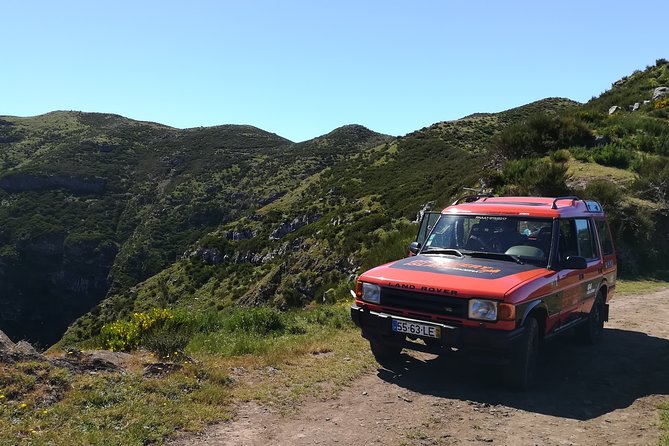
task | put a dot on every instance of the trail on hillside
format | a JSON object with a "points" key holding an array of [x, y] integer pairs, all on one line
{"points": [[603, 395]]}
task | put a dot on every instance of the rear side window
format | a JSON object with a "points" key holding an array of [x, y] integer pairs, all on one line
{"points": [[604, 237], [586, 243]]}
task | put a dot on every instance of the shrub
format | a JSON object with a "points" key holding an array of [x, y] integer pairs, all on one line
{"points": [[653, 180], [166, 341], [546, 178], [261, 320], [329, 316], [607, 193], [541, 134], [127, 335], [661, 103], [581, 154], [535, 177], [561, 156], [614, 156]]}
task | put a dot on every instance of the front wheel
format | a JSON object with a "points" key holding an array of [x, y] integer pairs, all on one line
{"points": [[520, 372], [385, 353], [592, 330]]}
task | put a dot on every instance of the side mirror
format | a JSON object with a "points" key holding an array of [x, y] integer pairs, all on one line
{"points": [[414, 247], [574, 262]]}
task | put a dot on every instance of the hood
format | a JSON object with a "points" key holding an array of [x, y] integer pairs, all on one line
{"points": [[462, 277]]}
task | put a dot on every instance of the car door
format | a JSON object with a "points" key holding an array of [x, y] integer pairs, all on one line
{"points": [[588, 248], [569, 280]]}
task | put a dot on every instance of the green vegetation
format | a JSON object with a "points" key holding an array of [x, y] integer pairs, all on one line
{"points": [[127, 335], [174, 333], [230, 248], [97, 206], [46, 404], [618, 159]]}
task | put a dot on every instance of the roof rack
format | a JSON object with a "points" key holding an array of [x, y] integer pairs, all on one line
{"points": [[573, 199], [470, 198]]}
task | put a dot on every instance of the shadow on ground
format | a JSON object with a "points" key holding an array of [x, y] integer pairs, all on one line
{"points": [[578, 382]]}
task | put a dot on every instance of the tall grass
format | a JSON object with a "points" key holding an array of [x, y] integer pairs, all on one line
{"points": [[240, 332]]}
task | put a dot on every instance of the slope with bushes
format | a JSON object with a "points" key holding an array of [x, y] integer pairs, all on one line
{"points": [[619, 158], [98, 206], [92, 204], [309, 244]]}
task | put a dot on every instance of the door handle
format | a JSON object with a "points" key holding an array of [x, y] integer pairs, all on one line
{"points": [[581, 276]]}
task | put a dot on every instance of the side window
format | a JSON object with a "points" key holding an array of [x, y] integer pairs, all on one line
{"points": [[604, 237], [567, 244], [426, 225], [586, 242], [576, 239]]}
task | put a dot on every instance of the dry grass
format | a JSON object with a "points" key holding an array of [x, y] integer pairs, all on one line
{"points": [[44, 404], [640, 286], [583, 173]]}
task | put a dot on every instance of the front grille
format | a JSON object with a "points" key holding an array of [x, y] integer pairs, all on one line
{"points": [[426, 303]]}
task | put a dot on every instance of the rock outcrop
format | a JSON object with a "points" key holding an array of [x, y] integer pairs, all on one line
{"points": [[660, 92], [21, 351], [239, 235], [288, 227]]}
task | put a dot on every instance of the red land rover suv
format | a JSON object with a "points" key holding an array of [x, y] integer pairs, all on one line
{"points": [[495, 276]]}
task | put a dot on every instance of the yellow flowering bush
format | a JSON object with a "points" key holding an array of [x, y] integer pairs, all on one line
{"points": [[126, 335], [661, 103]]}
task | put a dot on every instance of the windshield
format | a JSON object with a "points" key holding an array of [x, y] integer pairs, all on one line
{"points": [[520, 237]]}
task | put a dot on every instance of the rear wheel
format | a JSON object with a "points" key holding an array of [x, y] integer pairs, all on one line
{"points": [[592, 330], [520, 372], [385, 353]]}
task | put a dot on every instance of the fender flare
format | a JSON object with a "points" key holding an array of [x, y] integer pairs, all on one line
{"points": [[531, 307]]}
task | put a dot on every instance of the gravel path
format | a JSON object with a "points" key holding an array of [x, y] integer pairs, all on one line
{"points": [[603, 395]]}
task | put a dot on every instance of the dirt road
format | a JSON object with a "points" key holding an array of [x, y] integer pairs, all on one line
{"points": [[603, 395]]}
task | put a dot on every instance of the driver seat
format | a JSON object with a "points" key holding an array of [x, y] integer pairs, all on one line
{"points": [[475, 240]]}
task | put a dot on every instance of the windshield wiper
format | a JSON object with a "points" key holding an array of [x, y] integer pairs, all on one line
{"points": [[495, 255], [449, 251]]}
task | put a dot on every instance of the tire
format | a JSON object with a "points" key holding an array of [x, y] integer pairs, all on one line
{"points": [[590, 332], [520, 372], [385, 353]]}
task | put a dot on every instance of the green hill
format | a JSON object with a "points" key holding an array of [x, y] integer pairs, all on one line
{"points": [[92, 204], [307, 245], [109, 216]]}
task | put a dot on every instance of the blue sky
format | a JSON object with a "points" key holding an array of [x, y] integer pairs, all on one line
{"points": [[303, 68]]}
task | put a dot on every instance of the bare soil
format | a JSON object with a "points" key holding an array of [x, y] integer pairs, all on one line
{"points": [[587, 395]]}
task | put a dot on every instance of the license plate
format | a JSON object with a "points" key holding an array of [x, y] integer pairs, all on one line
{"points": [[414, 328]]}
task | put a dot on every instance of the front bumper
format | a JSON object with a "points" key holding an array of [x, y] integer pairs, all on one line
{"points": [[494, 344]]}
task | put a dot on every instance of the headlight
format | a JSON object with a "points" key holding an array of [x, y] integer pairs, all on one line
{"points": [[483, 310], [371, 293]]}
